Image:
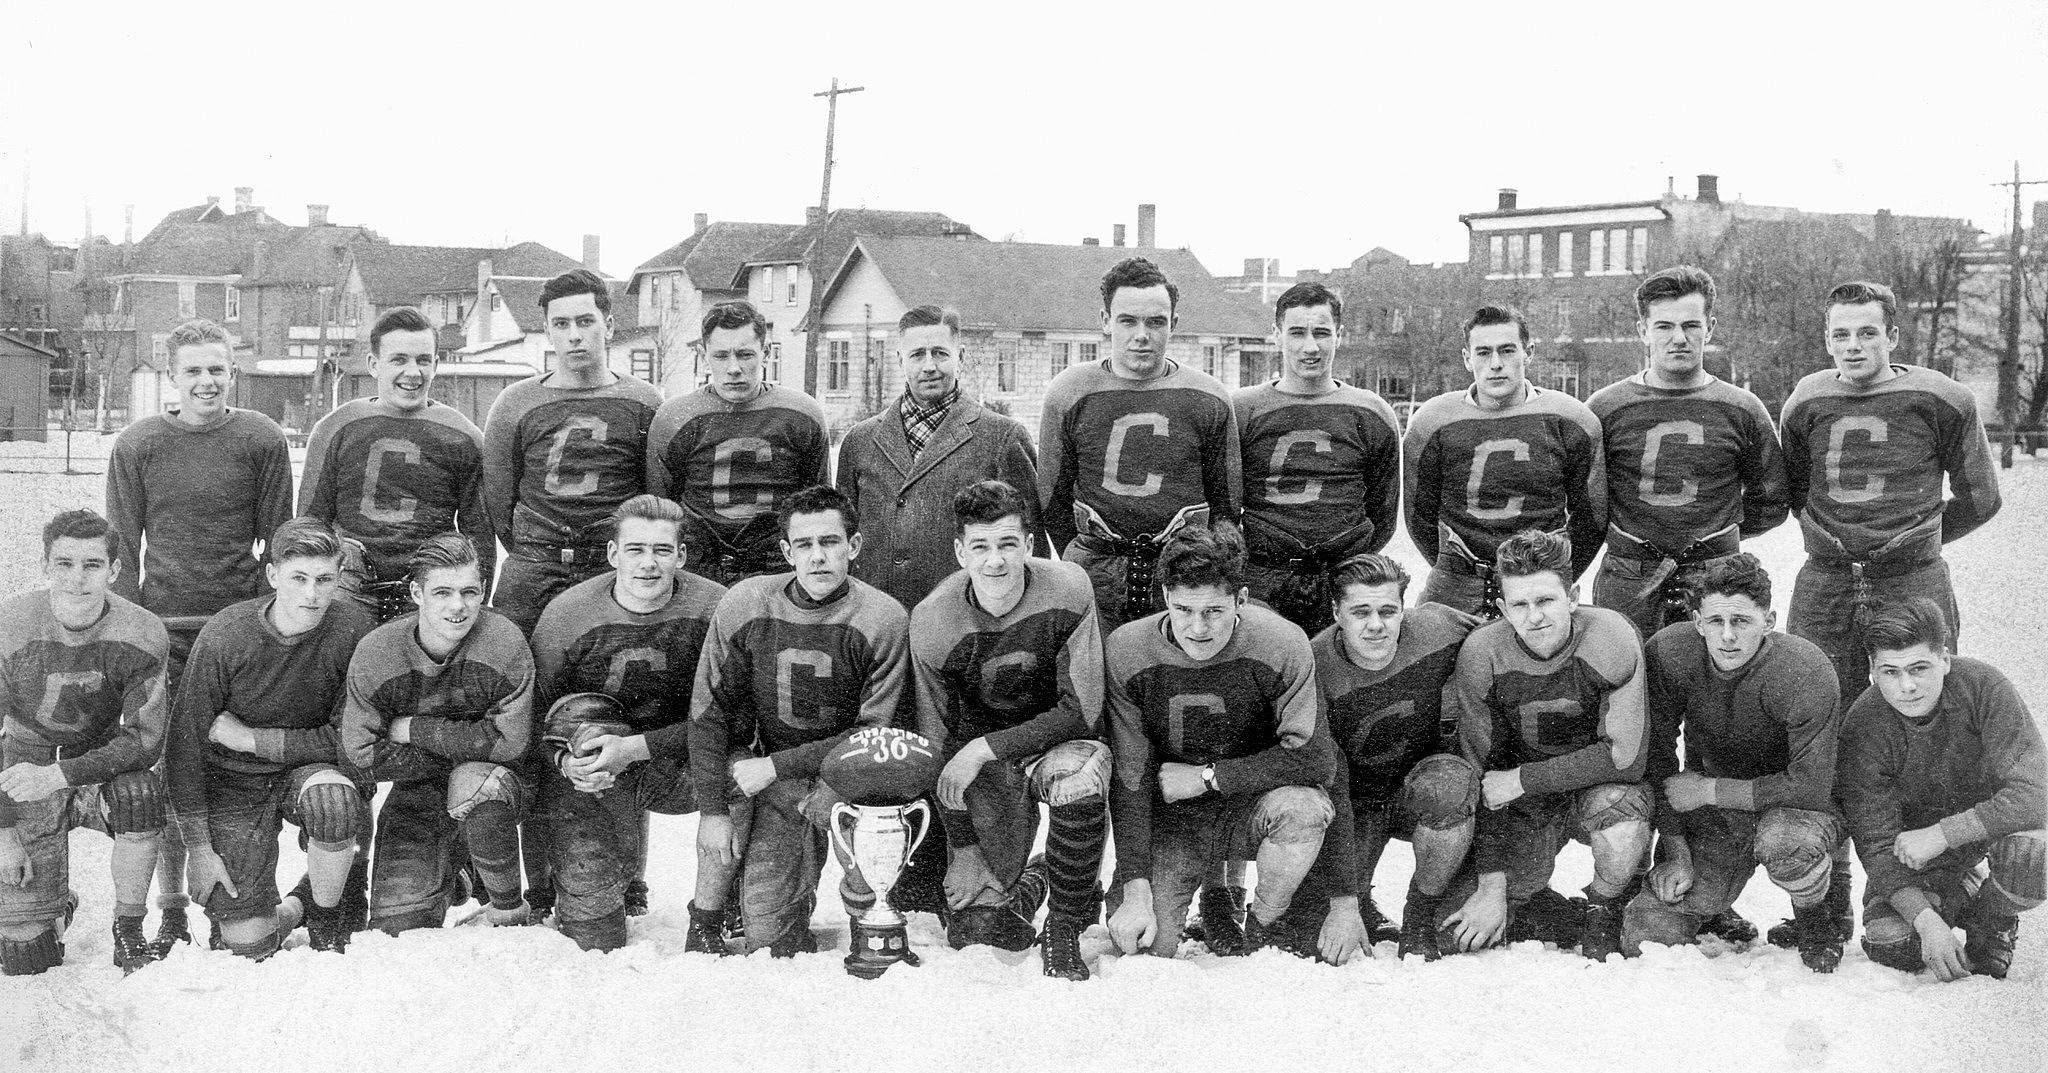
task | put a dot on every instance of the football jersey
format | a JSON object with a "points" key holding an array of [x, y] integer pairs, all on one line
{"points": [[783, 677], [1136, 452], [1251, 710], [731, 465], [91, 701], [199, 498], [1316, 466], [393, 478], [1484, 475], [1866, 464], [587, 642], [1765, 732], [1683, 464], [1388, 720], [476, 704], [1026, 680], [558, 460]]}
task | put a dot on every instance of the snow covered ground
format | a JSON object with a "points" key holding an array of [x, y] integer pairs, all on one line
{"points": [[473, 1000]]}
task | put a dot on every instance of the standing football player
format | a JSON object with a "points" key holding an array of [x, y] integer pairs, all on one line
{"points": [[1008, 661], [1136, 445], [630, 639], [1946, 788], [1219, 749], [794, 661], [1693, 464], [1759, 714], [1549, 705], [81, 724], [390, 471], [255, 739], [1322, 463], [440, 705], [733, 450], [1503, 455], [192, 492]]}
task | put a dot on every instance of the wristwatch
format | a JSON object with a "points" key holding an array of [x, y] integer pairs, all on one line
{"points": [[1209, 778]]}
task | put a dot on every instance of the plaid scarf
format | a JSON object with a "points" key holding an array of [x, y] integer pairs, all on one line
{"points": [[920, 421]]}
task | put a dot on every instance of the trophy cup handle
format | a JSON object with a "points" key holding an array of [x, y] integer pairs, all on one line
{"points": [[841, 841], [923, 812]]}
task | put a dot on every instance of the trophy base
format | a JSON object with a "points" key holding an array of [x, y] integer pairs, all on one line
{"points": [[877, 947]]}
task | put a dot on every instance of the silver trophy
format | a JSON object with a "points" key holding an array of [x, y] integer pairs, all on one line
{"points": [[875, 841]]}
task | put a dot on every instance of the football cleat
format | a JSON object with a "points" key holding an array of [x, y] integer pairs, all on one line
{"points": [[1988, 940], [132, 949], [1378, 929], [1547, 917], [1061, 948], [1729, 926], [1419, 927], [171, 929], [1820, 948], [327, 928], [1601, 933], [1223, 916], [706, 932], [636, 898], [994, 925]]}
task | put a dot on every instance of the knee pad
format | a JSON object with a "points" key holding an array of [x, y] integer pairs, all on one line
{"points": [[1292, 814], [2017, 863], [1611, 803], [1649, 920], [476, 782], [605, 934], [1903, 955], [1071, 771], [1442, 791], [258, 950], [27, 957], [134, 803], [330, 811]]}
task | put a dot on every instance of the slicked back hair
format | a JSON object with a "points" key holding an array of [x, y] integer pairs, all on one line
{"points": [[440, 552], [817, 499], [1901, 624], [1534, 551], [1860, 291], [81, 524], [1675, 282], [927, 315], [986, 503], [1370, 569], [734, 314], [578, 281], [1197, 555], [648, 507], [303, 537], [402, 319], [197, 332], [1486, 315], [1141, 273], [1308, 296], [1738, 575]]}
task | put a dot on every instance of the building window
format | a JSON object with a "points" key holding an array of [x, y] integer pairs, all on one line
{"points": [[1496, 255], [1397, 320], [1006, 366], [1518, 252], [1565, 378], [1534, 266], [773, 373], [1596, 252], [1209, 360], [790, 284], [497, 302], [838, 356], [120, 297], [643, 365], [1062, 356], [1090, 353], [1393, 385], [1564, 317], [1564, 253], [1639, 249], [160, 350], [234, 302], [188, 300]]}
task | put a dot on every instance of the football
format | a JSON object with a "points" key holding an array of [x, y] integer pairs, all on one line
{"points": [[881, 766]]}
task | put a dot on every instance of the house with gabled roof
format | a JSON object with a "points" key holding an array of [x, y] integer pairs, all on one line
{"points": [[1027, 311], [441, 281], [672, 290]]}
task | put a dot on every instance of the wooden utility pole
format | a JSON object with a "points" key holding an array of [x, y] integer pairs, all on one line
{"points": [[831, 123], [813, 261], [2015, 298]]}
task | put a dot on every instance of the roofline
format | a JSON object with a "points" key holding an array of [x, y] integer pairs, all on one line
{"points": [[1544, 210], [18, 340]]}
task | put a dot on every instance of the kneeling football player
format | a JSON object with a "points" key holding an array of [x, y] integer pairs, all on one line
{"points": [[1549, 705], [83, 673], [614, 657], [440, 705], [1008, 660], [255, 736], [1219, 748], [1758, 712], [793, 661], [1946, 788]]}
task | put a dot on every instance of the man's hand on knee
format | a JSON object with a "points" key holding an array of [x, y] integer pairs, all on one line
{"points": [[1483, 919], [967, 876], [961, 771], [1915, 849], [715, 840], [203, 870], [1132, 927], [1939, 950], [1673, 876], [15, 868]]}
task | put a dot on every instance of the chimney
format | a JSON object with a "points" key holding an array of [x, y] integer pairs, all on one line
{"points": [[1116, 237], [316, 216], [702, 221], [1671, 186], [213, 201], [1886, 231], [244, 197], [1098, 242], [1507, 199], [128, 227], [812, 214], [1148, 226], [1710, 189], [590, 252]]}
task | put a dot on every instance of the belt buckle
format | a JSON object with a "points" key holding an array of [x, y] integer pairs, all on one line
{"points": [[1856, 568], [567, 555]]}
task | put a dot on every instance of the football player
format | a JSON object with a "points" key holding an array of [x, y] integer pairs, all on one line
{"points": [[1008, 662], [192, 493], [81, 724], [440, 705], [1549, 705], [793, 661], [1322, 463], [1758, 712], [255, 739], [630, 638], [1219, 749], [1503, 455], [1946, 788]]}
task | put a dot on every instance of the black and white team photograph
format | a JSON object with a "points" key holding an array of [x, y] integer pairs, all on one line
{"points": [[919, 538]]}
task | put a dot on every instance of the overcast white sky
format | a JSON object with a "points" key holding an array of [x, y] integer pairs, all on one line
{"points": [[1258, 128]]}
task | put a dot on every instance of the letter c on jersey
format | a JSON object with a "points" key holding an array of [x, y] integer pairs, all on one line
{"points": [[722, 457], [1838, 443], [1177, 711], [652, 660], [786, 662], [558, 483], [1113, 458], [1551, 725], [1519, 450], [1009, 666], [1311, 489], [1653, 443], [407, 451], [54, 685]]}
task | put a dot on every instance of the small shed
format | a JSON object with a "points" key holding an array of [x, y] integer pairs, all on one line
{"points": [[470, 387], [24, 389]]}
